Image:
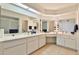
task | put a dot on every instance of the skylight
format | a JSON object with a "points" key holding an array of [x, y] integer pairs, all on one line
{"points": [[21, 5], [26, 7]]}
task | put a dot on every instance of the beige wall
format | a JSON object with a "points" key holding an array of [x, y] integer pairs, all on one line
{"points": [[69, 15], [51, 26]]}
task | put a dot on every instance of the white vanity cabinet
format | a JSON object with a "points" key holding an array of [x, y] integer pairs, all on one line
{"points": [[35, 42], [70, 42], [1, 49], [60, 40], [15, 47], [32, 44], [42, 40], [22, 46], [77, 36]]}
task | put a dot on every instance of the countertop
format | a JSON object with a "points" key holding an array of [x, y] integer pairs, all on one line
{"points": [[17, 36], [24, 35], [51, 34]]}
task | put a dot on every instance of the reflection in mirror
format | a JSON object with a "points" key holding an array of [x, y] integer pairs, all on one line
{"points": [[24, 26], [66, 25], [9, 24], [44, 26]]}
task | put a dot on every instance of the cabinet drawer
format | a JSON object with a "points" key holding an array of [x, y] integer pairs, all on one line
{"points": [[70, 43], [42, 36], [12, 43], [32, 38], [17, 50]]}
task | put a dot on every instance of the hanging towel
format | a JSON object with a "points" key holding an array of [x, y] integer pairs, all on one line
{"points": [[75, 28]]}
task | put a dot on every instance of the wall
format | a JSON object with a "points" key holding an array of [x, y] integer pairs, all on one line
{"points": [[69, 15], [51, 26]]}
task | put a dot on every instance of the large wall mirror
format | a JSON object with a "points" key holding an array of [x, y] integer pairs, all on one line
{"points": [[44, 26], [67, 25], [9, 24]]}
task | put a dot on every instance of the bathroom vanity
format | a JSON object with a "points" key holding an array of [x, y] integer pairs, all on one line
{"points": [[21, 44], [67, 40]]}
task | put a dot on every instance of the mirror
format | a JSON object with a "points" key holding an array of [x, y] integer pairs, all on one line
{"points": [[9, 24], [44, 26], [66, 25], [14, 22]]}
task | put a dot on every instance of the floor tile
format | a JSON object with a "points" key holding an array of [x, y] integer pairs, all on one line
{"points": [[52, 49]]}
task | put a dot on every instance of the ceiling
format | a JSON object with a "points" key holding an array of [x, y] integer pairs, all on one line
{"points": [[52, 8]]}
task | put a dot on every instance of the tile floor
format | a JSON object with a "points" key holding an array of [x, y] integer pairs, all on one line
{"points": [[52, 49]]}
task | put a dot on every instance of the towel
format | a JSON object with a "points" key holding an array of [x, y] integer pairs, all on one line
{"points": [[75, 28]]}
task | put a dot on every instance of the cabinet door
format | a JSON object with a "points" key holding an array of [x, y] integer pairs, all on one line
{"points": [[17, 50], [60, 40], [12, 43], [1, 49], [35, 44], [29, 47], [42, 40], [15, 47], [70, 43], [77, 41], [32, 45]]}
